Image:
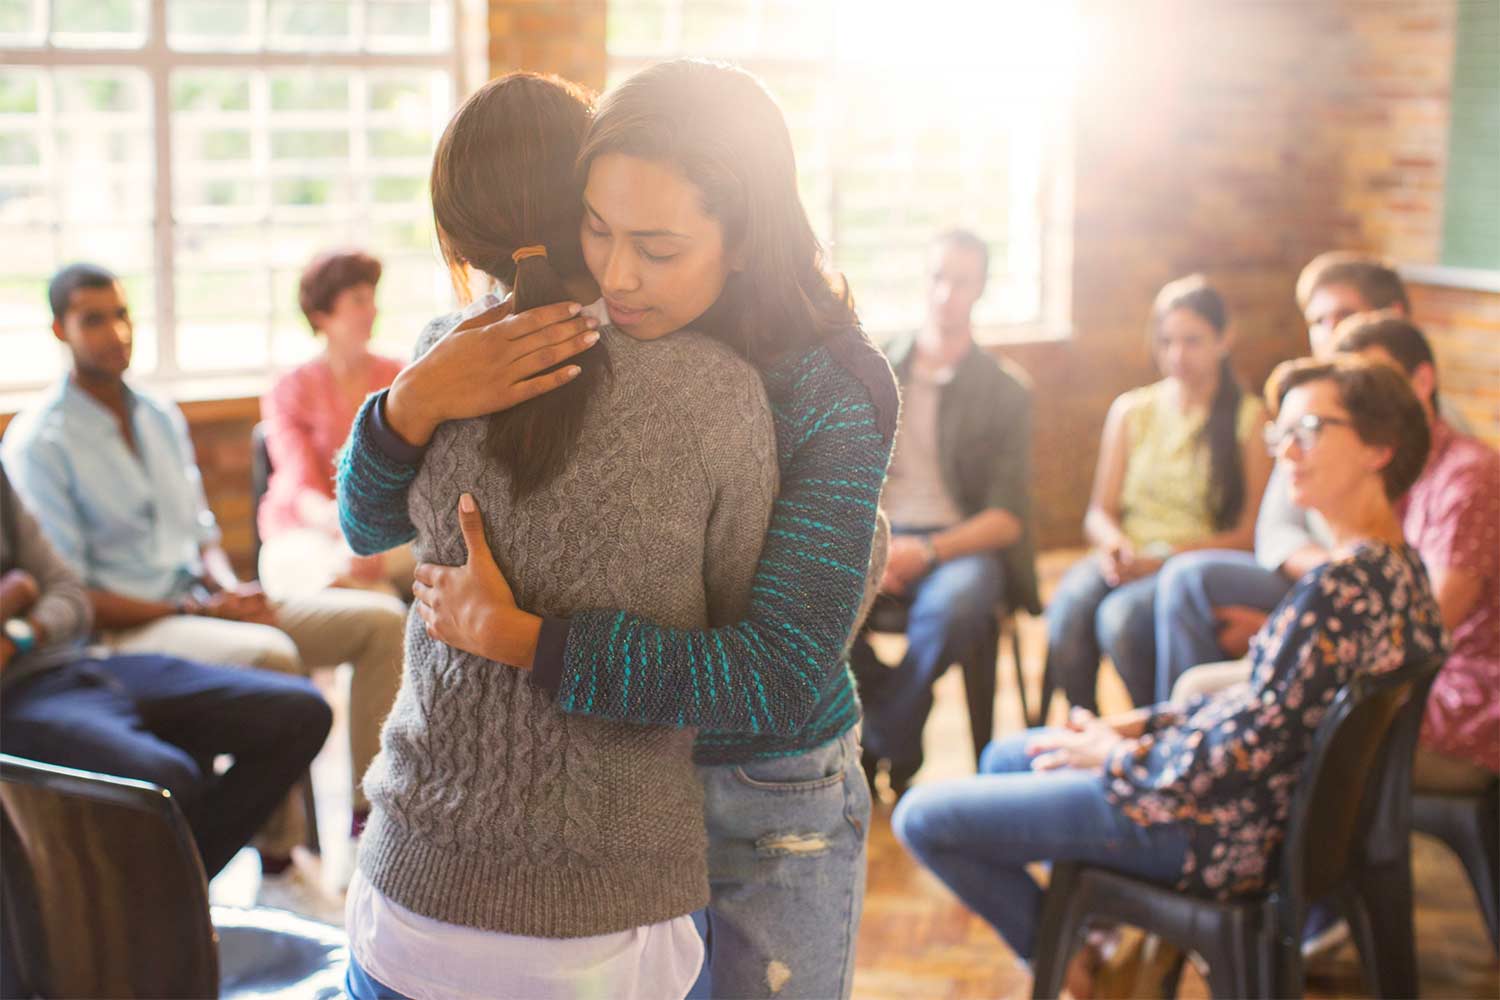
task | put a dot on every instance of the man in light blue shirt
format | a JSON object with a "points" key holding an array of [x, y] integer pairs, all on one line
{"points": [[109, 472]]}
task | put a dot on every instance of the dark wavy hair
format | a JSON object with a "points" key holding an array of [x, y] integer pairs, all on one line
{"points": [[503, 179], [718, 127], [1226, 477]]}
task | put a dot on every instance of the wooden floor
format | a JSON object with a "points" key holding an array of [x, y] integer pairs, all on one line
{"points": [[916, 941]]}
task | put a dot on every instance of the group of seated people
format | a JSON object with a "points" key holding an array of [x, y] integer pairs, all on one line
{"points": [[1371, 543], [127, 630], [1374, 543]]}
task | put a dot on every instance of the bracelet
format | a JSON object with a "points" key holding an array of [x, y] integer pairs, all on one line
{"points": [[929, 551]]}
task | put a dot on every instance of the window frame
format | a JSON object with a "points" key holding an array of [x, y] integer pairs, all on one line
{"points": [[1053, 321], [158, 61]]}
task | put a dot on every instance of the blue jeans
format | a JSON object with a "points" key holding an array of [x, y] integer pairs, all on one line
{"points": [[786, 866], [360, 985], [950, 610], [1190, 587], [1088, 618], [978, 834], [164, 720]]}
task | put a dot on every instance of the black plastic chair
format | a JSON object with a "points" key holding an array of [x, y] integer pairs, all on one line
{"points": [[979, 665], [1470, 826], [260, 481], [104, 895], [1347, 842]]}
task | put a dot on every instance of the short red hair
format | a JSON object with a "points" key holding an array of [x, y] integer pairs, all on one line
{"points": [[328, 274]]}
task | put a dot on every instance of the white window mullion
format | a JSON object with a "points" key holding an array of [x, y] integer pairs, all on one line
{"points": [[159, 68]]}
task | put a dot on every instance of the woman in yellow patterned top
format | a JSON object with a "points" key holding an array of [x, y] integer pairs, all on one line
{"points": [[1178, 470]]}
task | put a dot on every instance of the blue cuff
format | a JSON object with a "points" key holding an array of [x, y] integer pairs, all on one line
{"points": [[384, 437], [551, 645]]}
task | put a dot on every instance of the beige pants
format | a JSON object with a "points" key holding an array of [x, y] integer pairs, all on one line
{"points": [[302, 562], [324, 629], [1430, 772]]}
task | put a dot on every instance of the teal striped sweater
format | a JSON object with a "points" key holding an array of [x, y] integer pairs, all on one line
{"points": [[775, 683]]}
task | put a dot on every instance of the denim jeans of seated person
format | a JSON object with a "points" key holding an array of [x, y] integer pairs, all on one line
{"points": [[978, 835], [786, 862]]}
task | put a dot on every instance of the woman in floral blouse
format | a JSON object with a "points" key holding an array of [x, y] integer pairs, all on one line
{"points": [[1197, 795]]}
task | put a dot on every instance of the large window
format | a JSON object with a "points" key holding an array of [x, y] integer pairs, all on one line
{"points": [[907, 119], [205, 150]]}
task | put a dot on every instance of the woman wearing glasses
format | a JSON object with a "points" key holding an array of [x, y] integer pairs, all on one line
{"points": [[1196, 794], [1178, 471]]}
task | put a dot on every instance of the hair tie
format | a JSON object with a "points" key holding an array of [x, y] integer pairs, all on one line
{"points": [[535, 250]]}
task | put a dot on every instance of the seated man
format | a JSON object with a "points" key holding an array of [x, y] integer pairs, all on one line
{"points": [[959, 504], [1209, 603], [109, 472], [155, 718]]}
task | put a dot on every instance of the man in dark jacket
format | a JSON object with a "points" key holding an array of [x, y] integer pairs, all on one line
{"points": [[958, 498]]}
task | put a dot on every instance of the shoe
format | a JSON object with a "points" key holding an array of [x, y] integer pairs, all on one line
{"points": [[1323, 934], [870, 764], [901, 775], [299, 889]]}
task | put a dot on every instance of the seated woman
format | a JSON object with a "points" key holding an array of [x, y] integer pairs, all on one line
{"points": [[1197, 796], [1174, 474], [307, 415]]}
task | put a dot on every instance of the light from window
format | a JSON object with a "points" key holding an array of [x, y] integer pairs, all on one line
{"points": [[269, 159], [906, 121]]}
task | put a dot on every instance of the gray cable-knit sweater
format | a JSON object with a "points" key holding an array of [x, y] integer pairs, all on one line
{"points": [[490, 807]]}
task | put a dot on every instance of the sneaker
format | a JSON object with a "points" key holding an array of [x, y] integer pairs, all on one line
{"points": [[870, 764], [901, 775], [1323, 934]]}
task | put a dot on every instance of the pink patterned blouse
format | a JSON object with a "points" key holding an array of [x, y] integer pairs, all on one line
{"points": [[1452, 517], [307, 421]]}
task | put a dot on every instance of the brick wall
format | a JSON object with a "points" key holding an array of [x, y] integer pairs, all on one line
{"points": [[565, 37], [1464, 327], [1240, 138]]}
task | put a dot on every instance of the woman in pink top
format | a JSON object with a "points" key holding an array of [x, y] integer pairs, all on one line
{"points": [[307, 416]]}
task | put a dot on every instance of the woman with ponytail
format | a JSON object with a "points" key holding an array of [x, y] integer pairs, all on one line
{"points": [[786, 805], [513, 849], [1178, 470]]}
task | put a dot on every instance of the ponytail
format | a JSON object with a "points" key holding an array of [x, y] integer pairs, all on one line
{"points": [[532, 441], [506, 201], [1226, 477]]}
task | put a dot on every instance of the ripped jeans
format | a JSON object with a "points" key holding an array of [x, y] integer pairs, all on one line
{"points": [[786, 863]]}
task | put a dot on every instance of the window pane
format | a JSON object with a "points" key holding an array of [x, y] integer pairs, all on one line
{"points": [[210, 91], [99, 24], [309, 91], [311, 24], [195, 25], [717, 27], [270, 165], [408, 25], [222, 319], [21, 22], [640, 25]]}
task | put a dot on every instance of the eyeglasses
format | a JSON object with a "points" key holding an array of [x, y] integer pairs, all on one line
{"points": [[1305, 432]]}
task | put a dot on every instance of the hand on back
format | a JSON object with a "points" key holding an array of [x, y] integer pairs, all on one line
{"points": [[491, 362]]}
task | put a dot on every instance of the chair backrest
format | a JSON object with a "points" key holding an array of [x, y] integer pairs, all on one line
{"points": [[1355, 789], [103, 885], [260, 481]]}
